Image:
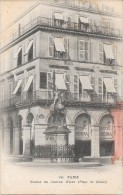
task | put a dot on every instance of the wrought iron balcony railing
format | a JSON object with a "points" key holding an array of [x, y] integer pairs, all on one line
{"points": [[47, 96], [47, 22]]}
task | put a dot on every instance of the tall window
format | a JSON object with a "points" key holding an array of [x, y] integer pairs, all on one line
{"points": [[43, 80], [19, 60], [83, 51], [30, 53]]}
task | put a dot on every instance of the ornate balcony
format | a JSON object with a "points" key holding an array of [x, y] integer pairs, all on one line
{"points": [[46, 98], [69, 26]]}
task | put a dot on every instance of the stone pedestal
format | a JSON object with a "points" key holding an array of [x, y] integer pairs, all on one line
{"points": [[39, 135], [26, 140], [95, 143], [57, 135]]}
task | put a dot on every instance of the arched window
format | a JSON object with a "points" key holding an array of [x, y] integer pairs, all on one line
{"points": [[19, 60], [30, 53]]}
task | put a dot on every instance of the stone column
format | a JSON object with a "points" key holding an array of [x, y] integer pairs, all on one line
{"points": [[71, 136], [95, 142], [26, 140], [16, 141], [6, 140], [39, 135]]}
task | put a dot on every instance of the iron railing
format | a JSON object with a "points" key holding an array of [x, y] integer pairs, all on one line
{"points": [[53, 151], [47, 22], [47, 96]]}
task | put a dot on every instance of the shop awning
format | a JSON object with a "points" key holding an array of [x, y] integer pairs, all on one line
{"points": [[59, 44], [59, 81], [28, 47], [109, 85], [29, 82], [86, 84], [58, 16], [108, 52], [17, 87], [84, 20], [16, 54]]}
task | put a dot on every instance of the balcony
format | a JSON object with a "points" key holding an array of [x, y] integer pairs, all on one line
{"points": [[46, 98], [71, 26]]}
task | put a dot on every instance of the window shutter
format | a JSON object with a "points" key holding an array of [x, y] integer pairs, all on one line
{"points": [[100, 87], [116, 84], [51, 46], [76, 87], [49, 80], [114, 48], [93, 82], [101, 53], [66, 45], [83, 50], [67, 81]]}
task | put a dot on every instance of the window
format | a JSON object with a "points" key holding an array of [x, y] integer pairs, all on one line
{"points": [[43, 80], [107, 53], [84, 23], [10, 87], [30, 53], [58, 47], [2, 90], [83, 51], [19, 59], [58, 19]]}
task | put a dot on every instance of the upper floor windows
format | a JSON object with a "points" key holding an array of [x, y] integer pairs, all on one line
{"points": [[19, 58], [107, 53], [83, 50], [58, 19], [58, 47], [30, 53], [84, 23]]}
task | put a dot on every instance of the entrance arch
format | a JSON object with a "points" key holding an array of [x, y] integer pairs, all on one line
{"points": [[106, 135], [82, 135]]}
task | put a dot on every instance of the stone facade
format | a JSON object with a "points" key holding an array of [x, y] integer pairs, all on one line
{"points": [[30, 59]]}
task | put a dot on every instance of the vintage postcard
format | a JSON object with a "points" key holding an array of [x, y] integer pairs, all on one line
{"points": [[61, 97]]}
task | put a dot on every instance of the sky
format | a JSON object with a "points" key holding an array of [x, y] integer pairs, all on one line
{"points": [[11, 9]]}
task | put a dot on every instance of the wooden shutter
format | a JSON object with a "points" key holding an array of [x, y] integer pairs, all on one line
{"points": [[76, 87], [50, 85], [101, 53], [66, 45], [114, 48], [93, 82], [100, 87], [67, 81], [83, 50], [51, 46], [10, 87], [116, 84]]}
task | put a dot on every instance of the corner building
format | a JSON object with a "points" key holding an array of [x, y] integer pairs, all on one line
{"points": [[81, 42]]}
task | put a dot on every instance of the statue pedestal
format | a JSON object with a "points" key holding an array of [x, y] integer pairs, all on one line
{"points": [[58, 138]]}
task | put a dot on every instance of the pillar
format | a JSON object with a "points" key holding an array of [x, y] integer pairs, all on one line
{"points": [[39, 136], [16, 141], [6, 140], [95, 142], [26, 140], [71, 139]]}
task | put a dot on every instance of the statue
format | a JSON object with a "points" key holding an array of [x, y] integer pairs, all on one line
{"points": [[58, 111]]}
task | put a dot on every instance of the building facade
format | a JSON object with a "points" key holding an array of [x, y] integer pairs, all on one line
{"points": [[79, 42]]}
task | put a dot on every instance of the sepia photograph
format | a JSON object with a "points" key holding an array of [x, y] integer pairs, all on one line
{"points": [[61, 97]]}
